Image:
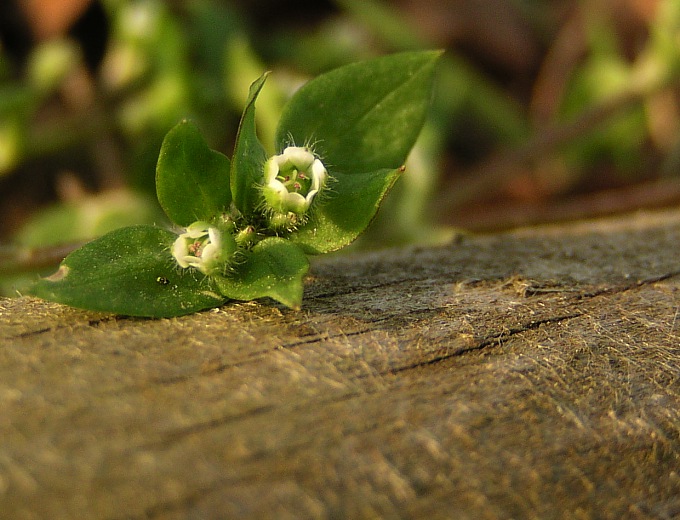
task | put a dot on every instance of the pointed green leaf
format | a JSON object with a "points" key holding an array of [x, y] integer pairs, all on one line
{"points": [[352, 202], [363, 116], [129, 271], [274, 268], [192, 181], [249, 156]]}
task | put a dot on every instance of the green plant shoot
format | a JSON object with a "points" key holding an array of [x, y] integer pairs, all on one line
{"points": [[245, 226]]}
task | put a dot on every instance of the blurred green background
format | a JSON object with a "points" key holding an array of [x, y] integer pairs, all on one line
{"points": [[544, 110]]}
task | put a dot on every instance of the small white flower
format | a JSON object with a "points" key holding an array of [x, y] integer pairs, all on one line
{"points": [[292, 180], [204, 247]]}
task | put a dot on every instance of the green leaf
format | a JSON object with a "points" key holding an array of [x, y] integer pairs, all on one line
{"points": [[351, 205], [274, 268], [192, 181], [364, 116], [129, 271], [249, 156]]}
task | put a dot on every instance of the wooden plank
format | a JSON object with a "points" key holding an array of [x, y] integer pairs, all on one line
{"points": [[532, 374]]}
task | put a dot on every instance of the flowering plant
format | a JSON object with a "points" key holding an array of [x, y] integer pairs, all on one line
{"points": [[245, 226]]}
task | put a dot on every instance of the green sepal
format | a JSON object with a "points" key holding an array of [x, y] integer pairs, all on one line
{"points": [[192, 181], [129, 271], [274, 268], [364, 116], [350, 205], [247, 164]]}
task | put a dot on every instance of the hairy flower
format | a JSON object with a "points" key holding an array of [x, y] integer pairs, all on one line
{"points": [[292, 180], [205, 247]]}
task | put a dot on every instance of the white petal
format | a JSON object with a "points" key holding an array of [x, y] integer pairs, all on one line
{"points": [[271, 169], [318, 175], [197, 229], [310, 196], [275, 194], [300, 158], [209, 258], [215, 237], [193, 261], [278, 187], [180, 250], [282, 162], [296, 203]]}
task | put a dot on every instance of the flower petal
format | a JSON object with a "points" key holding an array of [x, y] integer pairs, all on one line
{"points": [[296, 203], [310, 196], [180, 250], [215, 237], [319, 175], [197, 229], [300, 158], [271, 169]]}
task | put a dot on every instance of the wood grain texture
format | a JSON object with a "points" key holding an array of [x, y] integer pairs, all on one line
{"points": [[532, 374]]}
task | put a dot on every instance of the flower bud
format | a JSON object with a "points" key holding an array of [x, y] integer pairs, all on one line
{"points": [[207, 248], [246, 237]]}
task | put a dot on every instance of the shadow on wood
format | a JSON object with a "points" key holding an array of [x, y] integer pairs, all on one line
{"points": [[532, 374]]}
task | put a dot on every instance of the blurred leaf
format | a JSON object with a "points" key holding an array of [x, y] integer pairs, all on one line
{"points": [[242, 65], [406, 215], [464, 93], [159, 104], [11, 144], [51, 62], [602, 77], [87, 218], [334, 42]]}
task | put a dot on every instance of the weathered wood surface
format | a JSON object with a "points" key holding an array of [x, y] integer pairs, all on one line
{"points": [[531, 374]]}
